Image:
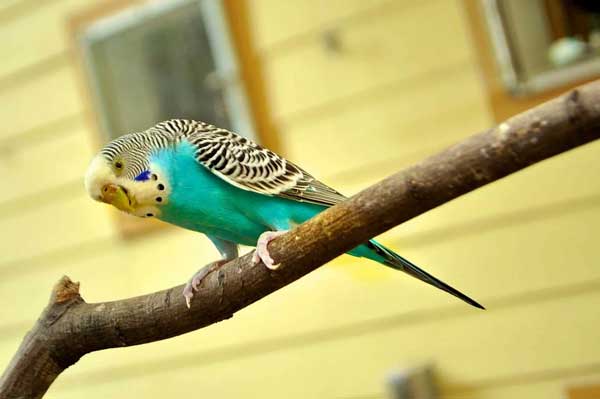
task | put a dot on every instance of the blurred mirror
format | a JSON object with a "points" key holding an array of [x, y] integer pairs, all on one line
{"points": [[543, 44]]}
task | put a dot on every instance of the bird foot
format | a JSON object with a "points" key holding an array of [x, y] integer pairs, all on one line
{"points": [[262, 252], [193, 284]]}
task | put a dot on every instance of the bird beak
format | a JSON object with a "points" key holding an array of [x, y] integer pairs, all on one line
{"points": [[117, 196]]}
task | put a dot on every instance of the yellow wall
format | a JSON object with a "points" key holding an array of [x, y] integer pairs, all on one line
{"points": [[404, 85]]}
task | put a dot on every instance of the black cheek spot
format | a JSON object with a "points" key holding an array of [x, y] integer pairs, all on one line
{"points": [[161, 186], [149, 215], [158, 199], [154, 177]]}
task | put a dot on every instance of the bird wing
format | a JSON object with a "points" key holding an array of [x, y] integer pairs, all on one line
{"points": [[246, 165]]}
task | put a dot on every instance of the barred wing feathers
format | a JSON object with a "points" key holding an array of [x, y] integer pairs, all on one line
{"points": [[248, 166]]}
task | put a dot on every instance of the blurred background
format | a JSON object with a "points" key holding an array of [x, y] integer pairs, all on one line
{"points": [[352, 90]]}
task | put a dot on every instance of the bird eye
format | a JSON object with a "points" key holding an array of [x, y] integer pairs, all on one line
{"points": [[118, 166]]}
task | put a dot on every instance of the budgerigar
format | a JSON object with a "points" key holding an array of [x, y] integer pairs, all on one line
{"points": [[213, 181]]}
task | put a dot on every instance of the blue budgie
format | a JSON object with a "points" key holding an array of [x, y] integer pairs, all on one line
{"points": [[213, 181]]}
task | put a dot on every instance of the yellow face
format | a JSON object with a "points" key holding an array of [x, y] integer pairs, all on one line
{"points": [[106, 182]]}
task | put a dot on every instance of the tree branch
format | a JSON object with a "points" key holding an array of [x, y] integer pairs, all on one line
{"points": [[69, 327]]}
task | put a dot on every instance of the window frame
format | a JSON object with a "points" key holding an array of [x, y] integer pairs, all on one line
{"points": [[503, 104]]}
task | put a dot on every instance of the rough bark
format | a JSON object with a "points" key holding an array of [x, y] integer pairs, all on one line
{"points": [[69, 327]]}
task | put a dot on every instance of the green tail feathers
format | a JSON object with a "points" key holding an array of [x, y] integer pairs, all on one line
{"points": [[397, 262]]}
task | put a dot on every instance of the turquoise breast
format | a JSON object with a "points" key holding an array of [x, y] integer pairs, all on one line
{"points": [[203, 202]]}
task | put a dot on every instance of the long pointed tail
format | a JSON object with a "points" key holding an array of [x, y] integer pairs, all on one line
{"points": [[397, 262]]}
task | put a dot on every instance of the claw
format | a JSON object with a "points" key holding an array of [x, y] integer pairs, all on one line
{"points": [[262, 252], [188, 295], [194, 283]]}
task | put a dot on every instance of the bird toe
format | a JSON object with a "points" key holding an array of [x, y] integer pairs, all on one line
{"points": [[188, 294]]}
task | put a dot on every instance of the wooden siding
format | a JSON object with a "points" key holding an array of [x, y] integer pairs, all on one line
{"points": [[403, 85]]}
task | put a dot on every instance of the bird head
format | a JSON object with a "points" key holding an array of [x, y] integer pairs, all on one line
{"points": [[121, 175]]}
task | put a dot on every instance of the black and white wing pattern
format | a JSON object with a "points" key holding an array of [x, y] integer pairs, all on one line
{"points": [[246, 165]]}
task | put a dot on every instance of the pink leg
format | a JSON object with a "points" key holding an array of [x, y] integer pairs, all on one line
{"points": [[193, 284], [262, 252]]}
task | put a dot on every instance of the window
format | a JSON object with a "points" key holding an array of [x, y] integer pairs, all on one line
{"points": [[163, 60], [517, 43], [544, 44]]}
